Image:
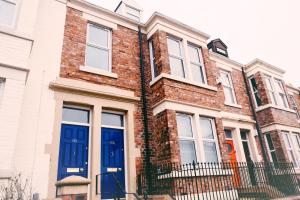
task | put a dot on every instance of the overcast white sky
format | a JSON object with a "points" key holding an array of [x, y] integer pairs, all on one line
{"points": [[265, 29]]}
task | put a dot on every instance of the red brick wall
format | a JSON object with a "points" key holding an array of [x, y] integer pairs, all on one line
{"points": [[125, 63], [273, 115]]}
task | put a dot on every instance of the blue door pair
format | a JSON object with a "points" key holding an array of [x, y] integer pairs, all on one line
{"points": [[73, 157]]}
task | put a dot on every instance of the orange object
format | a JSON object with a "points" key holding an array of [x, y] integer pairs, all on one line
{"points": [[233, 162]]}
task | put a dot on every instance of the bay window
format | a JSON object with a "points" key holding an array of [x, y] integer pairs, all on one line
{"points": [[196, 63], [227, 87], [98, 48], [176, 57]]}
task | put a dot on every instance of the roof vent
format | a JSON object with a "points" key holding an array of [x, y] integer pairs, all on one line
{"points": [[218, 46], [130, 9]]}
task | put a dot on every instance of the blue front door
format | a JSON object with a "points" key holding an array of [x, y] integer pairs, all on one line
{"points": [[73, 151], [112, 163]]}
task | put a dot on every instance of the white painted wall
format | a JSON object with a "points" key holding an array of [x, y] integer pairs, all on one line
{"points": [[30, 54], [35, 129]]}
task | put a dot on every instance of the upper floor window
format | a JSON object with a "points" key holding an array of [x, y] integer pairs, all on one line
{"points": [[196, 63], [186, 138], [271, 148], [152, 60], [294, 105], [133, 13], [228, 87], [98, 48], [271, 89], [176, 57], [7, 12], [282, 100], [255, 92]]}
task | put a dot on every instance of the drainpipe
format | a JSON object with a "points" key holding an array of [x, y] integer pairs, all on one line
{"points": [[145, 117], [260, 137]]}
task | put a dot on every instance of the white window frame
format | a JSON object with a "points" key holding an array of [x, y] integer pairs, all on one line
{"points": [[228, 74], [108, 48], [271, 91], [200, 64], [253, 92], [131, 15], [152, 60], [16, 11], [270, 151], [193, 138], [291, 149], [281, 94], [181, 57], [214, 140], [294, 105], [248, 143]]}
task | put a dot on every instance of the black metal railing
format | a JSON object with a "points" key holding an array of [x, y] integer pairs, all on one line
{"points": [[232, 180], [118, 190]]}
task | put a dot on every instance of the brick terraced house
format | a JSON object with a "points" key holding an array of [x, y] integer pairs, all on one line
{"points": [[130, 98]]}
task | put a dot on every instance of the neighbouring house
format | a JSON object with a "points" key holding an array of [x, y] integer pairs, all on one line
{"points": [[97, 104]]}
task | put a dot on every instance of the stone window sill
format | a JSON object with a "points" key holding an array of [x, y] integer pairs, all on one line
{"points": [[183, 80], [94, 70], [233, 105], [273, 106]]}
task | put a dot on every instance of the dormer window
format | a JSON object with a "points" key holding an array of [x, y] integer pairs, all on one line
{"points": [[133, 13]]}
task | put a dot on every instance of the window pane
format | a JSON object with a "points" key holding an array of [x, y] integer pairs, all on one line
{"points": [[7, 11], [268, 82], [278, 86], [97, 58], [228, 95], [187, 151], [111, 119], [133, 17], [292, 158], [197, 73], [133, 11], [244, 135], [152, 60], [194, 54], [228, 133], [253, 84], [176, 67], [174, 47], [274, 157], [206, 128], [270, 143], [286, 141], [296, 141], [98, 36], [75, 115], [225, 79], [210, 152], [257, 98], [184, 125]]}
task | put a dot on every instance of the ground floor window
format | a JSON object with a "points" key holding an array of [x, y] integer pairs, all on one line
{"points": [[292, 145], [271, 148], [197, 145], [246, 145]]}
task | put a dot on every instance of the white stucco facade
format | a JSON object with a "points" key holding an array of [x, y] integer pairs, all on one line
{"points": [[30, 54]]}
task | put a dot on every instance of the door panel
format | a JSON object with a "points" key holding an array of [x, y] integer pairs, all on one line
{"points": [[73, 151], [233, 162], [112, 163]]}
